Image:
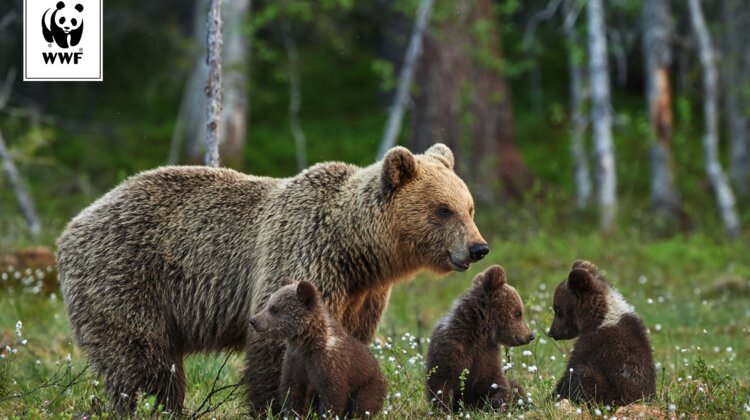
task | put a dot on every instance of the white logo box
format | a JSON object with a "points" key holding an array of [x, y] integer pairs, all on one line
{"points": [[81, 62]]}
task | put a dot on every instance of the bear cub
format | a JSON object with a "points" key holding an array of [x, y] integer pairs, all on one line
{"points": [[468, 338], [324, 368], [611, 362]]}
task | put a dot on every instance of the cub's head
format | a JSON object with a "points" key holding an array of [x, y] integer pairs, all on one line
{"points": [[288, 311], [585, 302], [432, 211], [501, 308], [68, 18]]}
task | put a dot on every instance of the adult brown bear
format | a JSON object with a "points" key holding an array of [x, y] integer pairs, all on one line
{"points": [[175, 260]]}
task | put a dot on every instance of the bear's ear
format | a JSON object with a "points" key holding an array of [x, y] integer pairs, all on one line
{"points": [[286, 281], [79, 7], [307, 294], [442, 153], [585, 265], [492, 278], [60, 5], [580, 281], [399, 167]]}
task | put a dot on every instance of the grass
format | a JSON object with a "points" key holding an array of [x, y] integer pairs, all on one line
{"points": [[691, 290]]}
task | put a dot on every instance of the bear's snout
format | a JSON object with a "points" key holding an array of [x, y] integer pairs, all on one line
{"points": [[478, 251], [257, 325]]}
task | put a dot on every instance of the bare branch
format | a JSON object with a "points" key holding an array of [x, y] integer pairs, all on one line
{"points": [[207, 406], [536, 19], [393, 127]]}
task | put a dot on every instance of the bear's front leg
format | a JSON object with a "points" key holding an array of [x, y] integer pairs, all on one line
{"points": [[294, 392], [263, 360]]}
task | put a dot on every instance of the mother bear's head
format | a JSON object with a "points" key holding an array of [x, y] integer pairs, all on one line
{"points": [[431, 208]]}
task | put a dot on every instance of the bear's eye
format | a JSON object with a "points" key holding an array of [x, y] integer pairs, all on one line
{"points": [[518, 314], [74, 21], [557, 310], [62, 20], [444, 211], [273, 310]]}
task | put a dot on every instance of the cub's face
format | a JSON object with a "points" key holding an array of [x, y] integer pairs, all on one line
{"points": [[433, 208], [583, 302], [564, 324], [69, 18], [288, 311], [503, 306]]}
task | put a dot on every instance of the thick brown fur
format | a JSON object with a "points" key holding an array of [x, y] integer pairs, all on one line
{"points": [[611, 362], [174, 260], [323, 365], [488, 315]]}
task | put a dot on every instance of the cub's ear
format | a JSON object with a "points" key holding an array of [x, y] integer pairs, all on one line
{"points": [[286, 281], [79, 7], [307, 293], [580, 281], [492, 278], [60, 5], [586, 265], [399, 167], [442, 153]]}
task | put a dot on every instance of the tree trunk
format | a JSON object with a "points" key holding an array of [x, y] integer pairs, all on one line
{"points": [[441, 75], [213, 84], [25, 203], [393, 127], [578, 146], [295, 95], [235, 62], [465, 102], [190, 130], [724, 195], [735, 82], [601, 115], [657, 34]]}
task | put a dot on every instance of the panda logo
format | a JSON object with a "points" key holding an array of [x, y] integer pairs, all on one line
{"points": [[64, 22]]}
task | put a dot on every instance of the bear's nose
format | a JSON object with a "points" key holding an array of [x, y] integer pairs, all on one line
{"points": [[532, 336], [253, 321], [478, 251]]}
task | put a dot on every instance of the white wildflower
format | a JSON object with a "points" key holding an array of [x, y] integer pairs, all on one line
{"points": [[527, 353], [19, 327]]}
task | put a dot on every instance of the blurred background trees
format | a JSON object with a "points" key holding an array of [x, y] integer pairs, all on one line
{"points": [[546, 103]]}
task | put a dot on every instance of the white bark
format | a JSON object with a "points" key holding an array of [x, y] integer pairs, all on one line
{"points": [[190, 129], [295, 95], [578, 119], [657, 34], [24, 200], [601, 115], [395, 119], [213, 84], [723, 191]]}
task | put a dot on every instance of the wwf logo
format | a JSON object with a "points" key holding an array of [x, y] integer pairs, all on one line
{"points": [[64, 26]]}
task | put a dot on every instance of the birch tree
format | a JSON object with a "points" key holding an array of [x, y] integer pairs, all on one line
{"points": [[189, 134], [601, 115], [395, 119], [657, 34], [25, 203], [577, 97], [213, 84], [723, 191]]}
